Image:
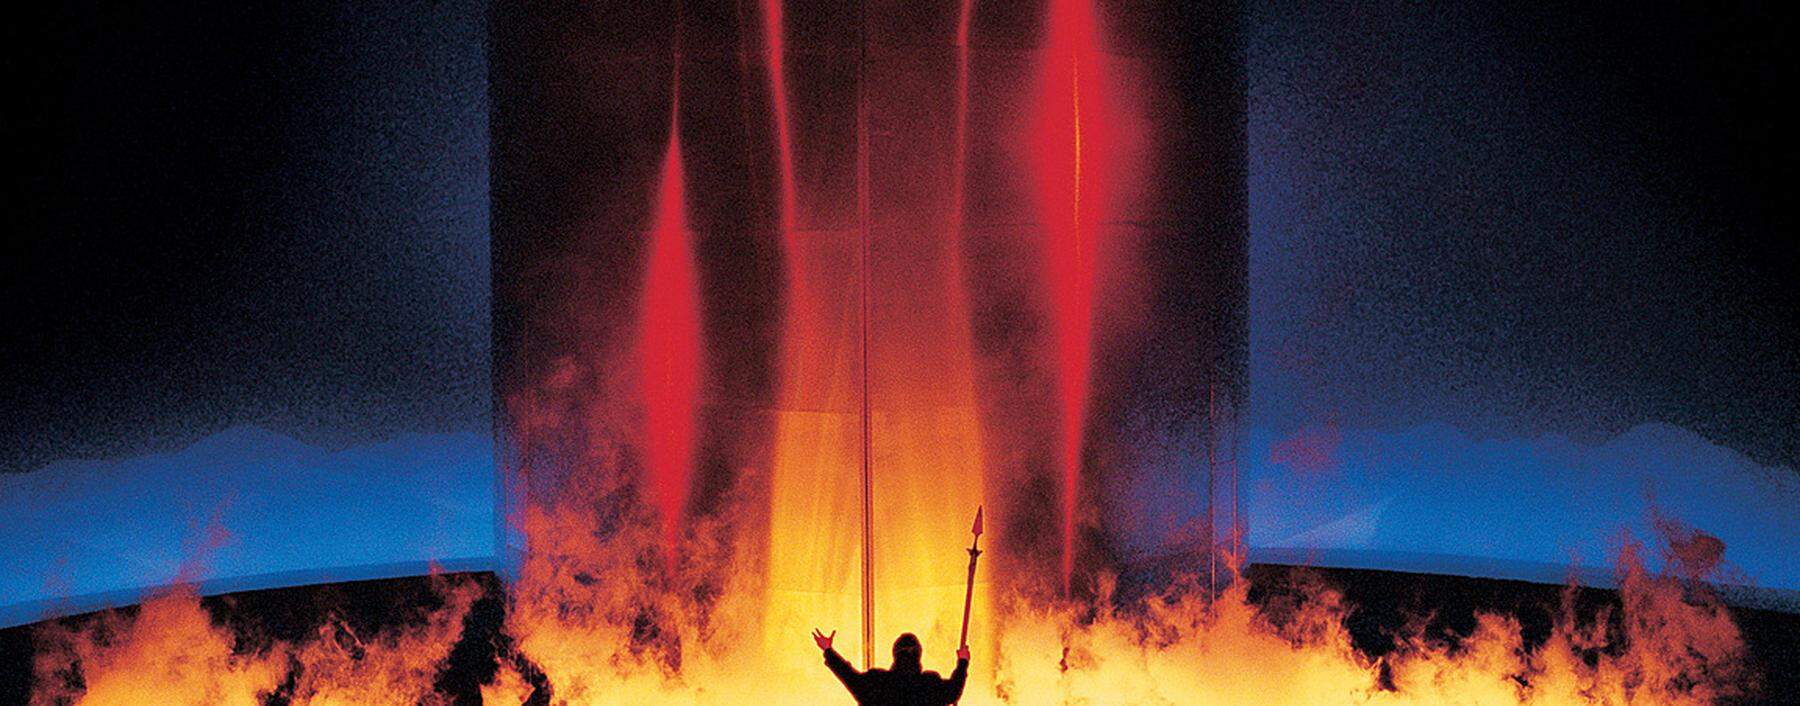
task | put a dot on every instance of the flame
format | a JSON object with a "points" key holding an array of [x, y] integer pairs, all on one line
{"points": [[171, 650], [604, 625], [613, 641], [169, 647], [1670, 647], [395, 667], [508, 688]]}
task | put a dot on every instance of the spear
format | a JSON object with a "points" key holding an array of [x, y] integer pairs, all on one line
{"points": [[969, 596]]}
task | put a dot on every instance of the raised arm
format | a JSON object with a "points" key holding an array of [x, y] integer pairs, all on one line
{"points": [[952, 688], [852, 679]]}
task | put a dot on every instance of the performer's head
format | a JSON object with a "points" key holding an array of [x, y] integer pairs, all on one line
{"points": [[906, 653]]}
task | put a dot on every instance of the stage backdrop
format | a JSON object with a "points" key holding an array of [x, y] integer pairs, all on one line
{"points": [[791, 263], [249, 304]]}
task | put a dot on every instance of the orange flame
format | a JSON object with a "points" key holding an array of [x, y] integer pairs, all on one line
{"points": [[170, 650], [604, 624], [169, 647], [392, 668]]}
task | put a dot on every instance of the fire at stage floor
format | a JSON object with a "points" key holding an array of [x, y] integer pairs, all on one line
{"points": [[1294, 636]]}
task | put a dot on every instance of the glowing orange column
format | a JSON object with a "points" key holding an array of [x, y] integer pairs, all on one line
{"points": [[913, 403], [813, 572], [928, 466]]}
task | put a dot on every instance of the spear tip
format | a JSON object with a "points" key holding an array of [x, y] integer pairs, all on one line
{"points": [[978, 520]]}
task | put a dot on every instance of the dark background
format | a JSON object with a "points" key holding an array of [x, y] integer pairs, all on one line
{"points": [[228, 212], [1525, 218], [1518, 219]]}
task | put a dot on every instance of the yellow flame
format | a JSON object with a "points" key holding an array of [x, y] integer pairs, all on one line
{"points": [[604, 626], [170, 649]]}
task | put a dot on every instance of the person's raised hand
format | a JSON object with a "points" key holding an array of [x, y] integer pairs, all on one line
{"points": [[823, 640], [962, 652]]}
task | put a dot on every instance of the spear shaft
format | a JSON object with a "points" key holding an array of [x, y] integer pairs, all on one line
{"points": [[969, 595]]}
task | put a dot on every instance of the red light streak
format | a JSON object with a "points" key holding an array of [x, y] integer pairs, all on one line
{"points": [[669, 347]]}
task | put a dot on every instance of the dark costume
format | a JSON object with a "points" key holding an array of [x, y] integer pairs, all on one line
{"points": [[902, 685]]}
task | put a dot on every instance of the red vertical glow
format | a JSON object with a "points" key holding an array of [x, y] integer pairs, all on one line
{"points": [[959, 167], [1072, 129], [669, 347], [776, 48]]}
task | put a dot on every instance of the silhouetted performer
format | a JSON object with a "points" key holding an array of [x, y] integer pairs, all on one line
{"points": [[903, 684]]}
